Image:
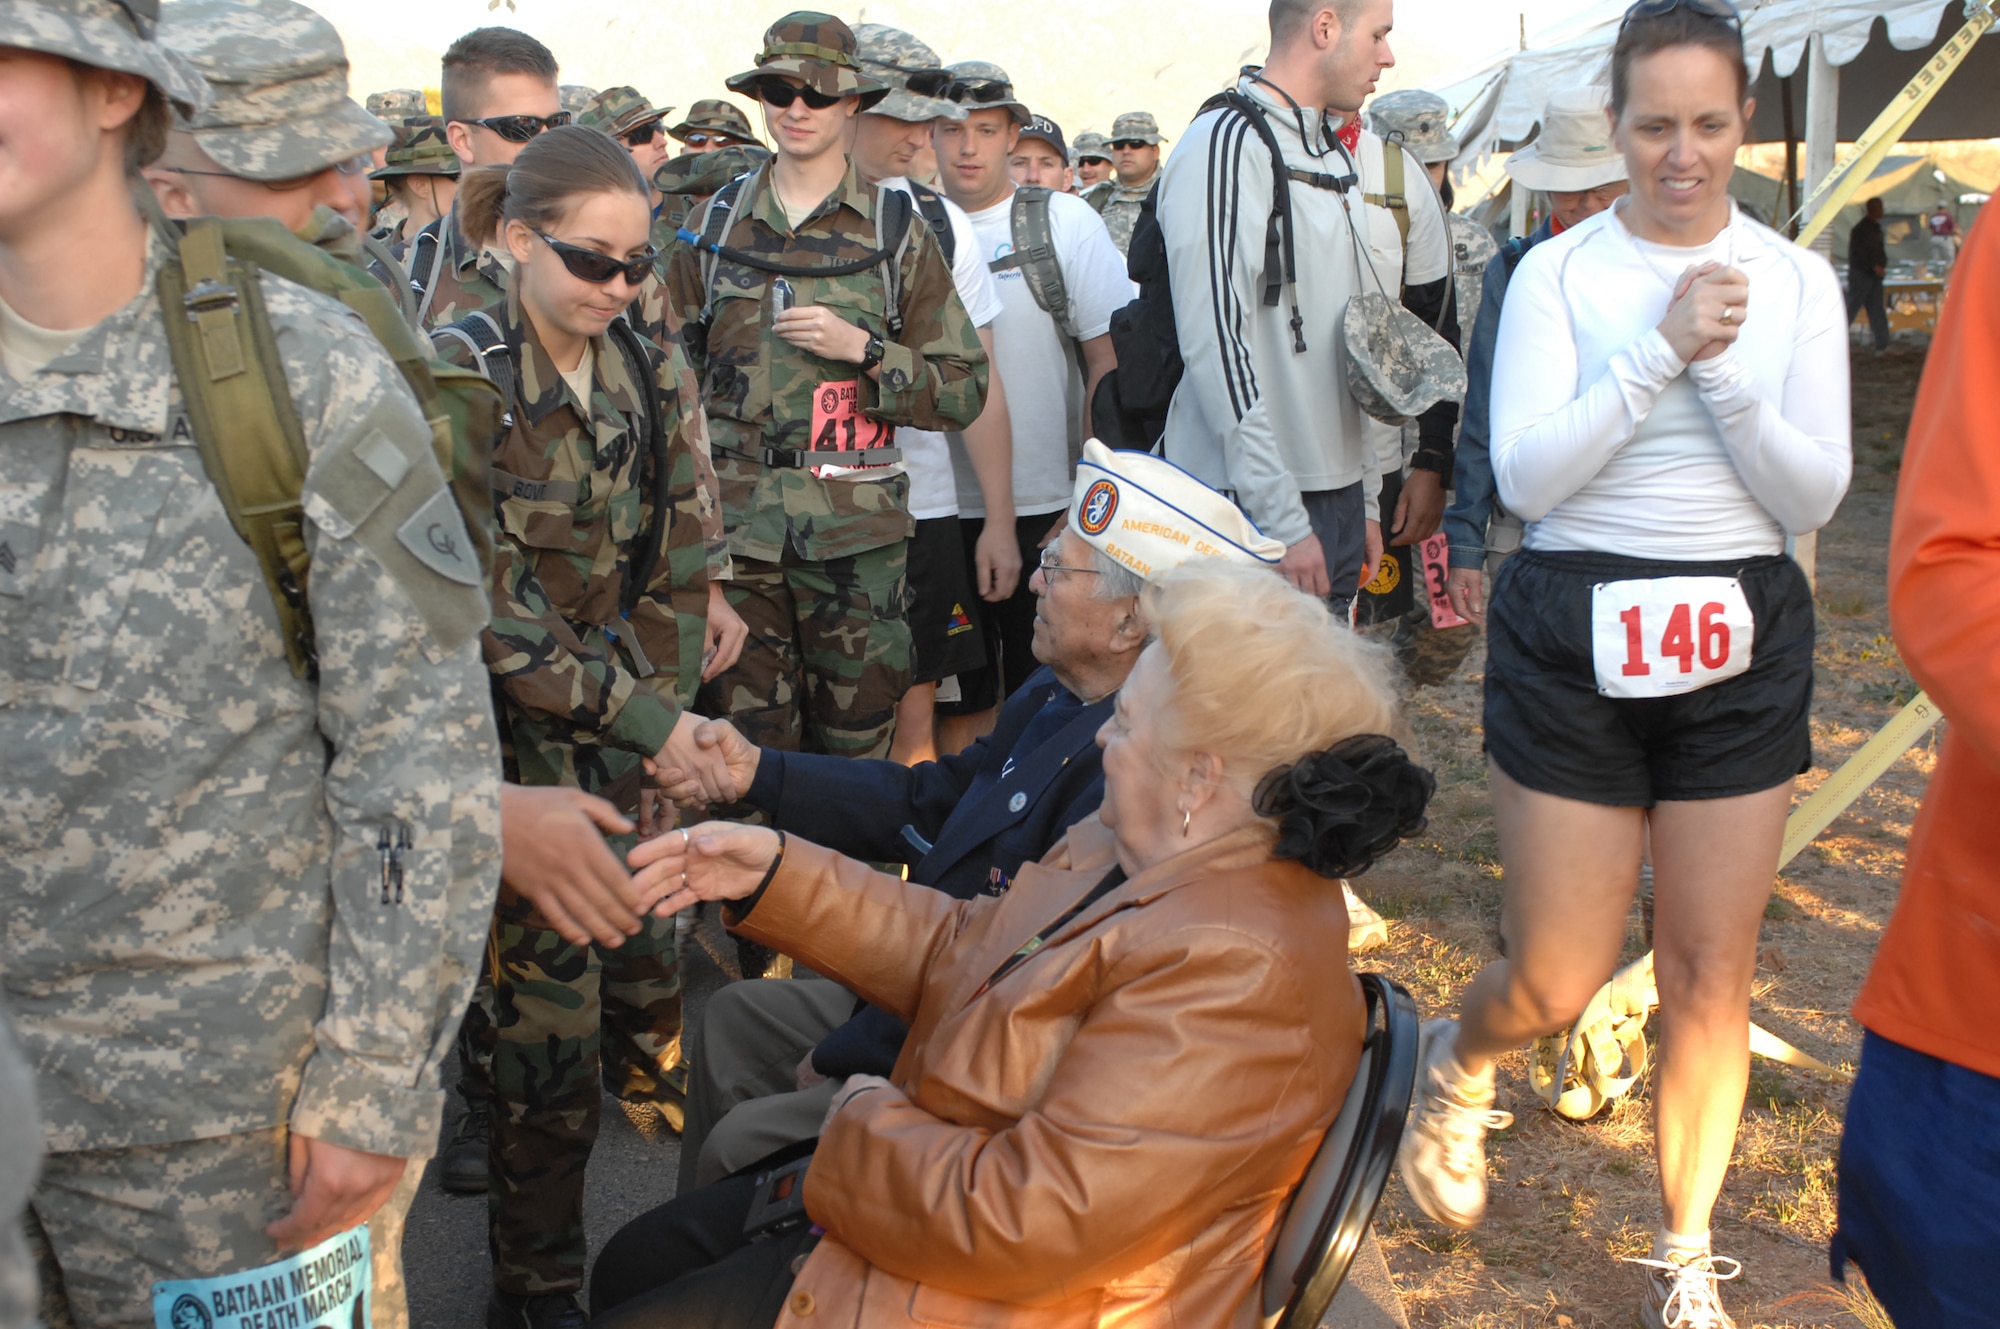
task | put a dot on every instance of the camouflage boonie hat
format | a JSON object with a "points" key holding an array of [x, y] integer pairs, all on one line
{"points": [[700, 174], [1396, 365], [1089, 146], [713, 115], [121, 35], [1420, 121], [279, 71], [891, 56], [573, 97], [421, 149], [979, 85], [1136, 124], [619, 111], [818, 50], [397, 104]]}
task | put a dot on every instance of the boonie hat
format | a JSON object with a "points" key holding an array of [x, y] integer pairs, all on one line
{"points": [[619, 111], [1152, 516], [700, 174], [713, 115], [818, 50], [1573, 152], [573, 97], [1395, 364], [421, 149], [120, 35], [1136, 124], [279, 72], [1049, 132], [1089, 146], [1420, 121], [980, 85], [397, 104], [890, 55]]}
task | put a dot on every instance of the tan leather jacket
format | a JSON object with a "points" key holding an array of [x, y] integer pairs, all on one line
{"points": [[1107, 1135]]}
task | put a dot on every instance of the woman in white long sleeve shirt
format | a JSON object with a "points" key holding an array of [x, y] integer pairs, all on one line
{"points": [[1669, 403]]}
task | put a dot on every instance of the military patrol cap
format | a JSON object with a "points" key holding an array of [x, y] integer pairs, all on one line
{"points": [[1420, 121], [979, 85], [1396, 366], [700, 174], [818, 50], [892, 56], [120, 35], [573, 97], [397, 104], [1049, 132], [713, 115], [1089, 146], [421, 149], [1136, 124], [279, 71], [619, 111]]}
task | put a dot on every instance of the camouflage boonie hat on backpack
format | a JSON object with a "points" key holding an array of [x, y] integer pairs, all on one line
{"points": [[1420, 121], [980, 85], [891, 56], [121, 35], [1089, 146], [421, 149], [818, 50], [700, 174], [397, 104], [619, 111], [573, 97], [713, 115], [279, 71], [1396, 365], [1136, 124]]}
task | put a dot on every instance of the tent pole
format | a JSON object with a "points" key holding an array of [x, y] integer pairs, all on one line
{"points": [[1791, 158], [1822, 120]]}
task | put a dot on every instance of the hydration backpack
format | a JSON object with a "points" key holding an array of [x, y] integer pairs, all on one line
{"points": [[1035, 253]]}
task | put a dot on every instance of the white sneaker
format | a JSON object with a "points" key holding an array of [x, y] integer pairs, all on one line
{"points": [[1443, 1155], [1366, 929], [1681, 1292]]}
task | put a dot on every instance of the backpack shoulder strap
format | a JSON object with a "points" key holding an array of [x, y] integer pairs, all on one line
{"points": [[930, 204], [225, 360], [893, 212], [639, 570], [1035, 253], [396, 279], [1393, 196], [713, 229], [424, 268], [1281, 267]]}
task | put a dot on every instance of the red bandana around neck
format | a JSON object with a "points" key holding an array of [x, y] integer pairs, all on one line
{"points": [[1349, 134]]}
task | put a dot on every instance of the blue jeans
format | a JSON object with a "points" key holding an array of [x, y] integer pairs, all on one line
{"points": [[1920, 1187]]}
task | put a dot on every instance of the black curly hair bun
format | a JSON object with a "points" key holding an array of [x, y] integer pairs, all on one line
{"points": [[1341, 809]]}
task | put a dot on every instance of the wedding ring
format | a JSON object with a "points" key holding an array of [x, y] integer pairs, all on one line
{"points": [[1727, 313]]}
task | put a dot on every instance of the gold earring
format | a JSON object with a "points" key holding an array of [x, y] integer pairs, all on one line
{"points": [[1187, 818]]}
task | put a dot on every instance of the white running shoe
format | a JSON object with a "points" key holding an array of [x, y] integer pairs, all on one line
{"points": [[1443, 1155], [1366, 929], [1681, 1293]]}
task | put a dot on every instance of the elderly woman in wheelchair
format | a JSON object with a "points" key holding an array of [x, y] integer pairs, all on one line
{"points": [[1119, 1071]]}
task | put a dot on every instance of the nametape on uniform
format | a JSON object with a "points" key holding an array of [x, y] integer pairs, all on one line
{"points": [[435, 535], [1437, 576], [1662, 636], [326, 1287]]}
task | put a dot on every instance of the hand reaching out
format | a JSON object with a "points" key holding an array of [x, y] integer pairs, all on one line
{"points": [[715, 740], [552, 854], [702, 764], [717, 860]]}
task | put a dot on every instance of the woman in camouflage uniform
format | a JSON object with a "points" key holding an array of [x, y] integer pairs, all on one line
{"points": [[600, 606]]}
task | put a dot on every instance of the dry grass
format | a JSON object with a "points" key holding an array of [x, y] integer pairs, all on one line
{"points": [[1569, 1199]]}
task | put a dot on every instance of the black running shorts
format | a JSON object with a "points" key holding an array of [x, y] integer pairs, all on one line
{"points": [[1550, 728], [944, 613]]}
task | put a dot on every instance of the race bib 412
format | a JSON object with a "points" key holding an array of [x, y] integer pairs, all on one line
{"points": [[325, 1287], [1662, 636]]}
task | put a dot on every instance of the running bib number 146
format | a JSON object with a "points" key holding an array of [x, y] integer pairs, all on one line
{"points": [[1663, 636]]}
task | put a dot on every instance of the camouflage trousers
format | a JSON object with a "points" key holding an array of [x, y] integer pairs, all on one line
{"points": [[106, 1224], [566, 1019], [828, 655]]}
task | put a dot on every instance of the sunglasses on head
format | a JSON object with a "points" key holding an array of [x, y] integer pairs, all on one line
{"points": [[521, 128], [644, 134], [979, 91], [779, 95], [1719, 9], [1129, 143], [597, 269]]}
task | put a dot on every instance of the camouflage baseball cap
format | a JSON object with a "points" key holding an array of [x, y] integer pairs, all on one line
{"points": [[281, 107], [817, 49], [1420, 121], [121, 35], [619, 111], [713, 115], [1089, 146], [421, 149], [397, 103], [1136, 124], [979, 85], [893, 56], [700, 174], [573, 97]]}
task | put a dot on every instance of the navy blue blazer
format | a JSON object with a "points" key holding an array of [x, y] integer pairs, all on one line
{"points": [[983, 812]]}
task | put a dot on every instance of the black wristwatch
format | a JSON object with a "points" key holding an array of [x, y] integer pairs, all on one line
{"points": [[873, 355]]}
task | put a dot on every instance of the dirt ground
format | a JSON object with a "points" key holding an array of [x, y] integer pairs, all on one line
{"points": [[1570, 1199]]}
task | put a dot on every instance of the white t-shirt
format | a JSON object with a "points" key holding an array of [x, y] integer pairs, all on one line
{"points": [[579, 377], [1043, 374], [926, 454], [1604, 439], [28, 348]]}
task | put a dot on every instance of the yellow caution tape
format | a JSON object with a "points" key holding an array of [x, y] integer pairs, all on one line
{"points": [[1859, 771]]}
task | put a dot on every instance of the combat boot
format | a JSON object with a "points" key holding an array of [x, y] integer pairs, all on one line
{"points": [[547, 1310], [462, 1166]]}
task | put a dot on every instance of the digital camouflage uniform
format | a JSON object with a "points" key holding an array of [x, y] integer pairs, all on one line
{"points": [[573, 97], [397, 104], [819, 558], [585, 695], [1119, 206]]}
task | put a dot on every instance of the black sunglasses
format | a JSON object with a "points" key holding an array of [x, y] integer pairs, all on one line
{"points": [[597, 269], [779, 95], [1129, 143], [521, 128], [644, 134], [1718, 9], [979, 91], [699, 140]]}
